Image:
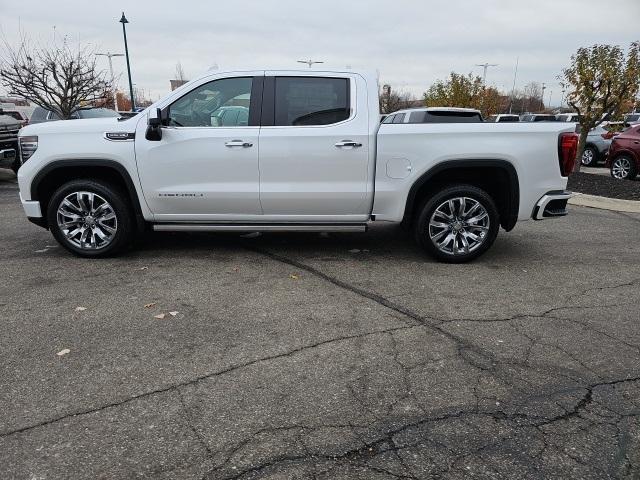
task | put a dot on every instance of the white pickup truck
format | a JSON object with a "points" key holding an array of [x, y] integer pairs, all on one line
{"points": [[289, 151]]}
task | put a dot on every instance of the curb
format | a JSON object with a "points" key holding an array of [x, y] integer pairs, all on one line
{"points": [[605, 203]]}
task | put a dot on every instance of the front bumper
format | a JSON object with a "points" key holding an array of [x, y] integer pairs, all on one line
{"points": [[551, 205]]}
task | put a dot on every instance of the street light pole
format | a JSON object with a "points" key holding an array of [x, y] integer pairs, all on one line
{"points": [[110, 55], [484, 74], [309, 62], [124, 21]]}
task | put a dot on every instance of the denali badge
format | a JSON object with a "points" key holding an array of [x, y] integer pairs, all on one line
{"points": [[120, 135], [181, 195]]}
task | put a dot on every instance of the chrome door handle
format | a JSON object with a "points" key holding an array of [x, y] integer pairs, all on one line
{"points": [[348, 143], [238, 143]]}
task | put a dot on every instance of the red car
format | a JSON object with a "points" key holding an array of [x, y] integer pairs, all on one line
{"points": [[624, 154]]}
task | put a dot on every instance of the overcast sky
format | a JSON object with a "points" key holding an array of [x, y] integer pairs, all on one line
{"points": [[410, 42]]}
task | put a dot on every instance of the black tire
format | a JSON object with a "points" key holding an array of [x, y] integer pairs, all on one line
{"points": [[591, 154], [618, 173], [422, 228], [118, 201]]}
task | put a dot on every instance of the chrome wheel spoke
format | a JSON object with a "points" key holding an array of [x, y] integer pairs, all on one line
{"points": [[459, 225], [87, 220]]}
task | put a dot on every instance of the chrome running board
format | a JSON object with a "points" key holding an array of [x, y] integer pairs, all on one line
{"points": [[248, 227]]}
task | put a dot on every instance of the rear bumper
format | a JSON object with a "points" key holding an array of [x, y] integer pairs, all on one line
{"points": [[551, 205]]}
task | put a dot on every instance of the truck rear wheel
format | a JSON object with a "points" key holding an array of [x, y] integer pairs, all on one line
{"points": [[457, 224], [90, 218]]}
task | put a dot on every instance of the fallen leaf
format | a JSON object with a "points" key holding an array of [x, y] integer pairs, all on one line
{"points": [[173, 314], [149, 305], [293, 276], [80, 309], [63, 352], [160, 316]]}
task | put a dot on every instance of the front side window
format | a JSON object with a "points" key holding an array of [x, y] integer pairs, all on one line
{"points": [[311, 100], [221, 103]]}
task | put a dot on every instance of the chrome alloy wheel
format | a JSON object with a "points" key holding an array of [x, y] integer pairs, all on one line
{"points": [[621, 168], [587, 157], [459, 226], [87, 220]]}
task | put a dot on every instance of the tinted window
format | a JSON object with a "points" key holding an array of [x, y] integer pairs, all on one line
{"points": [[311, 100], [444, 117], [388, 119], [97, 113], [509, 118], [399, 118], [38, 115], [220, 103]]}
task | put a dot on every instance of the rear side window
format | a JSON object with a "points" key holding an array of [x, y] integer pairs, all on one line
{"points": [[311, 100]]}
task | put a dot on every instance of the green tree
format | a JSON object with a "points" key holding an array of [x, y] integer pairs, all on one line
{"points": [[601, 81], [464, 91]]}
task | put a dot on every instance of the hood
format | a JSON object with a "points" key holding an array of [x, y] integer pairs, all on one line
{"points": [[86, 125]]}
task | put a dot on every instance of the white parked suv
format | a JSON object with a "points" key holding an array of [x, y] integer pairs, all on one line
{"points": [[310, 155]]}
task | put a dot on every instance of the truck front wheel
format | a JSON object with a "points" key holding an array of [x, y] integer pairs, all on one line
{"points": [[90, 218], [457, 224]]}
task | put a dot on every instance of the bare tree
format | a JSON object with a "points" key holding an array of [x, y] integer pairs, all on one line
{"points": [[56, 77], [180, 72]]}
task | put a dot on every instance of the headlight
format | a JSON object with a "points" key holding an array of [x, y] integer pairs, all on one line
{"points": [[28, 146]]}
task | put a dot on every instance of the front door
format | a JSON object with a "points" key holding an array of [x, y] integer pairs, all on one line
{"points": [[205, 167]]}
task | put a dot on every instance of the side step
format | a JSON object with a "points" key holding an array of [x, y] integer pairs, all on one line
{"points": [[264, 227]]}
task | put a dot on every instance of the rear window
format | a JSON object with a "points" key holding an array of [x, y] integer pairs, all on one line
{"points": [[311, 100], [39, 115], [444, 117], [97, 113], [509, 118], [399, 118]]}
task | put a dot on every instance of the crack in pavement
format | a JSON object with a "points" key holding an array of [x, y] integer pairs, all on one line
{"points": [[200, 378]]}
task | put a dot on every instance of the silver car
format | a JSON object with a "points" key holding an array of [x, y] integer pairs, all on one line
{"points": [[597, 146]]}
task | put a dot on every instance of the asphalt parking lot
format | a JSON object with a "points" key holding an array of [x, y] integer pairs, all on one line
{"points": [[322, 356]]}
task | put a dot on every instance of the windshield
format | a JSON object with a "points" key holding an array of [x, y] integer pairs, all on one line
{"points": [[98, 113]]}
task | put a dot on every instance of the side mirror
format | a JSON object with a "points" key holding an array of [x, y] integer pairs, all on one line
{"points": [[154, 127]]}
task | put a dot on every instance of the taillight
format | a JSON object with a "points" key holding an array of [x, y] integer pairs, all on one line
{"points": [[567, 151], [28, 146]]}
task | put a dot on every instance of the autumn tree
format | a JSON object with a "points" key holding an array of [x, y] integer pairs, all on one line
{"points": [[464, 91], [56, 77], [601, 80]]}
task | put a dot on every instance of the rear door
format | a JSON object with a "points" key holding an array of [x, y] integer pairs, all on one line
{"points": [[314, 151]]}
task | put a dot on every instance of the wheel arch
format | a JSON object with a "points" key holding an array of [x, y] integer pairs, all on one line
{"points": [[497, 177], [56, 173]]}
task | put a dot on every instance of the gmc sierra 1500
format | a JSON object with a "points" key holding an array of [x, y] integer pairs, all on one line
{"points": [[289, 151]]}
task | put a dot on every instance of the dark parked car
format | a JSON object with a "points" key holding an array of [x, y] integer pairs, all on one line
{"points": [[9, 128], [624, 154], [43, 115]]}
